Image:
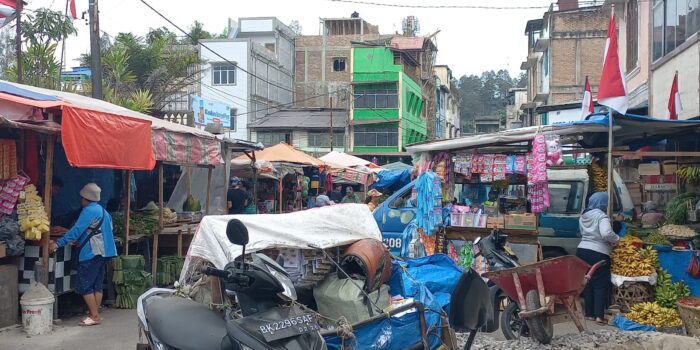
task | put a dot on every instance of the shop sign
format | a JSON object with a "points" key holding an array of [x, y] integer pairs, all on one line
{"points": [[208, 112], [660, 187]]}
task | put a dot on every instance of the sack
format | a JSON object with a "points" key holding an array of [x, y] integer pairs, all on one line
{"points": [[694, 267]]}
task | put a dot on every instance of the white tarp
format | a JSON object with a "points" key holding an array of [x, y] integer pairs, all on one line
{"points": [[323, 227]]}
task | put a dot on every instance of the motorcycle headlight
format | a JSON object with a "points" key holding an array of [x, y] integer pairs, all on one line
{"points": [[285, 281]]}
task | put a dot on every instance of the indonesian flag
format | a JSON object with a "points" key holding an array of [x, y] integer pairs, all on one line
{"points": [[7, 11], [587, 101], [612, 91], [73, 12], [674, 101]]}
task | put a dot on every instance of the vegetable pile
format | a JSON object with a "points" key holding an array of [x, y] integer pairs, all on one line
{"points": [[667, 293], [677, 208], [677, 231]]}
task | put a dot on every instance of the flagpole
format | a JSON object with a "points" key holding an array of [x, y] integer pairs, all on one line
{"points": [[18, 41], [63, 50], [610, 161]]}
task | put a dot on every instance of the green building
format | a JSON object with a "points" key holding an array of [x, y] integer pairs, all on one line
{"points": [[386, 112]]}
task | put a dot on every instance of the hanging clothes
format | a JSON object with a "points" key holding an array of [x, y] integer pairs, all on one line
{"points": [[429, 204]]}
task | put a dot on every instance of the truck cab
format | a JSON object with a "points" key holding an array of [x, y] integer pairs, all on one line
{"points": [[558, 226]]}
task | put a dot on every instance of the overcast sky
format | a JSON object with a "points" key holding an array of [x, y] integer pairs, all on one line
{"points": [[470, 40]]}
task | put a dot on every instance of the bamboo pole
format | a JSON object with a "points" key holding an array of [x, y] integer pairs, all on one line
{"points": [[48, 184], [208, 196], [127, 212], [160, 195], [610, 162]]}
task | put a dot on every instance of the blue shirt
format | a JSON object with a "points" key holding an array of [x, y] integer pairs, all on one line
{"points": [[77, 233]]}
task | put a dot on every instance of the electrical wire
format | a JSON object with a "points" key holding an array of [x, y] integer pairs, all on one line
{"points": [[473, 7]]}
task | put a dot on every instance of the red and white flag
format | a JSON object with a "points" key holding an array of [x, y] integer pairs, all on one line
{"points": [[612, 91], [8, 11], [674, 101], [71, 7], [587, 101]]}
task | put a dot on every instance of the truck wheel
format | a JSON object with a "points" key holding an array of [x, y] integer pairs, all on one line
{"points": [[512, 325], [541, 327]]}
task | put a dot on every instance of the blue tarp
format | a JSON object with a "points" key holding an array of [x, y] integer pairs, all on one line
{"points": [[392, 180], [624, 324], [676, 262], [438, 273], [17, 91]]}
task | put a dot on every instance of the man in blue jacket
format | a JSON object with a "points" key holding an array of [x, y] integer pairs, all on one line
{"points": [[92, 234]]}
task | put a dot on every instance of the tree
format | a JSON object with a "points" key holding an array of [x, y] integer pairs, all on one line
{"points": [[197, 33], [485, 95], [7, 50], [295, 26]]}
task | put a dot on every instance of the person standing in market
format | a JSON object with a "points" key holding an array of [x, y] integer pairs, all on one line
{"points": [[597, 241], [650, 217], [237, 197], [350, 196], [337, 194], [322, 199], [94, 238]]}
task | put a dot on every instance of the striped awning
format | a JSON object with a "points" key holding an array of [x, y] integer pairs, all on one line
{"points": [[189, 149]]}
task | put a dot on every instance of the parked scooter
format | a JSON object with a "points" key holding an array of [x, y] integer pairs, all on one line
{"points": [[498, 256], [263, 290]]}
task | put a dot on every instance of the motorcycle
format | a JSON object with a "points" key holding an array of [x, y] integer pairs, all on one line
{"points": [[263, 321], [499, 256]]}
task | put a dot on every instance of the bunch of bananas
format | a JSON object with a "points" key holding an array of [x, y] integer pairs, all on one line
{"points": [[630, 262], [630, 239], [651, 256], [654, 315], [33, 221], [689, 173], [599, 177], [667, 293]]}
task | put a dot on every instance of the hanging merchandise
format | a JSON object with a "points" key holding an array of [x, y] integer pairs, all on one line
{"points": [[554, 155], [487, 168], [429, 202], [8, 159], [520, 165], [31, 213], [429, 243], [452, 252], [499, 167], [538, 191], [510, 164], [9, 193], [466, 255], [463, 165]]}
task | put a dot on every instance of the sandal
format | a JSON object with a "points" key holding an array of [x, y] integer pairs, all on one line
{"points": [[87, 322], [602, 322]]}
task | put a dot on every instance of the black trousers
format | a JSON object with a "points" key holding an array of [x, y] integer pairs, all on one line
{"points": [[597, 291]]}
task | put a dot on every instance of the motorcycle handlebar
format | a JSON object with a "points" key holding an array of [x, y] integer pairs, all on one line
{"points": [[210, 271]]}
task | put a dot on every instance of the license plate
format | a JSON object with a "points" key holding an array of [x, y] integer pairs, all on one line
{"points": [[289, 327]]}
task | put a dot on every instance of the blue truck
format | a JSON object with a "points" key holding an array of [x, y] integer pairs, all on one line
{"points": [[558, 226]]}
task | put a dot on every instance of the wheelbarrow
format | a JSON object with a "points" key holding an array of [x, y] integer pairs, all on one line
{"points": [[540, 286]]}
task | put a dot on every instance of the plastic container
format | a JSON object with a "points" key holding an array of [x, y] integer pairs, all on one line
{"points": [[37, 310]]}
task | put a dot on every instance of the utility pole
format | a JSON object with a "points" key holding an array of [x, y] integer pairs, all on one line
{"points": [[331, 123], [18, 42], [95, 53]]}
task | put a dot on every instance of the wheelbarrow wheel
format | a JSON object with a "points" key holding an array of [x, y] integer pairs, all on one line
{"points": [[512, 326], [540, 327]]}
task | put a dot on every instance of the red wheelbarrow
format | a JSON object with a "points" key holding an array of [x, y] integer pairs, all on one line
{"points": [[539, 286]]}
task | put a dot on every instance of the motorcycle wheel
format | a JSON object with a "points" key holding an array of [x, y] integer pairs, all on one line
{"points": [[512, 326]]}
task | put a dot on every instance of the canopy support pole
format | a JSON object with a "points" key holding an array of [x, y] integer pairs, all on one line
{"points": [[48, 184], [206, 206], [281, 189], [610, 162], [160, 195], [127, 211]]}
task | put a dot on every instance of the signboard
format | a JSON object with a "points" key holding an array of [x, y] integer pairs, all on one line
{"points": [[665, 187], [207, 112]]}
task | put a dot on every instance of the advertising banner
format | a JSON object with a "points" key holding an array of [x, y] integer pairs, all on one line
{"points": [[207, 111]]}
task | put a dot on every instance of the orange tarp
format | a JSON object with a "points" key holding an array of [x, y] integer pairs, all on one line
{"points": [[95, 139], [283, 152]]}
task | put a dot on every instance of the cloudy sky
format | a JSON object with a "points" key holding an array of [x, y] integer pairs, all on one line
{"points": [[470, 40]]}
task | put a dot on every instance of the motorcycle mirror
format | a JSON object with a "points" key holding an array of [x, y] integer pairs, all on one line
{"points": [[477, 240], [236, 232], [470, 304]]}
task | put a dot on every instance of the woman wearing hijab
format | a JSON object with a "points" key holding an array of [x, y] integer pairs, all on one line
{"points": [[597, 240], [650, 216]]}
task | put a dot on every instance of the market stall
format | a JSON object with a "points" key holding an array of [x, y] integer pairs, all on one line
{"points": [[348, 169]]}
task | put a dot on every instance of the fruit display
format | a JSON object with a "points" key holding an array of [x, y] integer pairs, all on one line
{"points": [[169, 216], [667, 293], [628, 261], [33, 221], [651, 255], [677, 231], [656, 238], [690, 174], [652, 314], [599, 177], [676, 211], [192, 204], [631, 239]]}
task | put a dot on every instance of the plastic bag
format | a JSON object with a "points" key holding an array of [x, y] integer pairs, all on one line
{"points": [[466, 257], [384, 338]]}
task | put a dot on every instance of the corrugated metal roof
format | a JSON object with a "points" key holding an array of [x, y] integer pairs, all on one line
{"points": [[301, 118], [408, 43]]}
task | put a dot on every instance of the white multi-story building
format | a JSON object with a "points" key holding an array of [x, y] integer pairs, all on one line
{"points": [[446, 103], [252, 72]]}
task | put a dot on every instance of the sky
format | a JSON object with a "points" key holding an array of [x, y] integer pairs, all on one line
{"points": [[470, 41]]}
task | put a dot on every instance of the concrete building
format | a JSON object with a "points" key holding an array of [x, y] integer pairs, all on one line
{"points": [[388, 105], [307, 129], [487, 124], [564, 47], [77, 79], [446, 103], [255, 75], [323, 62], [515, 116]]}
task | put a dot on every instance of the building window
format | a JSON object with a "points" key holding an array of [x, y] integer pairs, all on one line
{"points": [[270, 47], [674, 21], [223, 74], [321, 139], [339, 64], [376, 96], [632, 35], [271, 138], [373, 136], [233, 113]]}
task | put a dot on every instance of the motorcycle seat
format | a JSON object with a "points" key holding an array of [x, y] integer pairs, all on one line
{"points": [[187, 325]]}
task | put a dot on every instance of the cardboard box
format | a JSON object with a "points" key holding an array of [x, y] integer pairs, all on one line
{"points": [[670, 167], [521, 222], [650, 169], [496, 222]]}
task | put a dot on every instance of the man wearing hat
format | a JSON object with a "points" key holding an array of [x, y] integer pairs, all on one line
{"points": [[93, 236], [237, 197]]}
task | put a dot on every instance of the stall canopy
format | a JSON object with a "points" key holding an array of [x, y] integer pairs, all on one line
{"points": [[118, 136], [629, 130], [281, 153], [343, 160]]}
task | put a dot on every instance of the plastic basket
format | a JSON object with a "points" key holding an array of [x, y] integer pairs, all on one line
{"points": [[691, 317]]}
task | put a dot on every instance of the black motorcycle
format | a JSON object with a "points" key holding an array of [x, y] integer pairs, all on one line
{"points": [[493, 248], [264, 293]]}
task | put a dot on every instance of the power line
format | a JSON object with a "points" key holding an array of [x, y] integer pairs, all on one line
{"points": [[212, 51], [479, 7]]}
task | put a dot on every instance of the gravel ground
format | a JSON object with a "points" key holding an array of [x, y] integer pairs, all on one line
{"points": [[599, 339]]}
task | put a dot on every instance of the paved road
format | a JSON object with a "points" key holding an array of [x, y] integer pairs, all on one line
{"points": [[119, 330]]}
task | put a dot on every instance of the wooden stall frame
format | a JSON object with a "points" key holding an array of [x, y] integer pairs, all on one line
{"points": [[48, 181]]}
